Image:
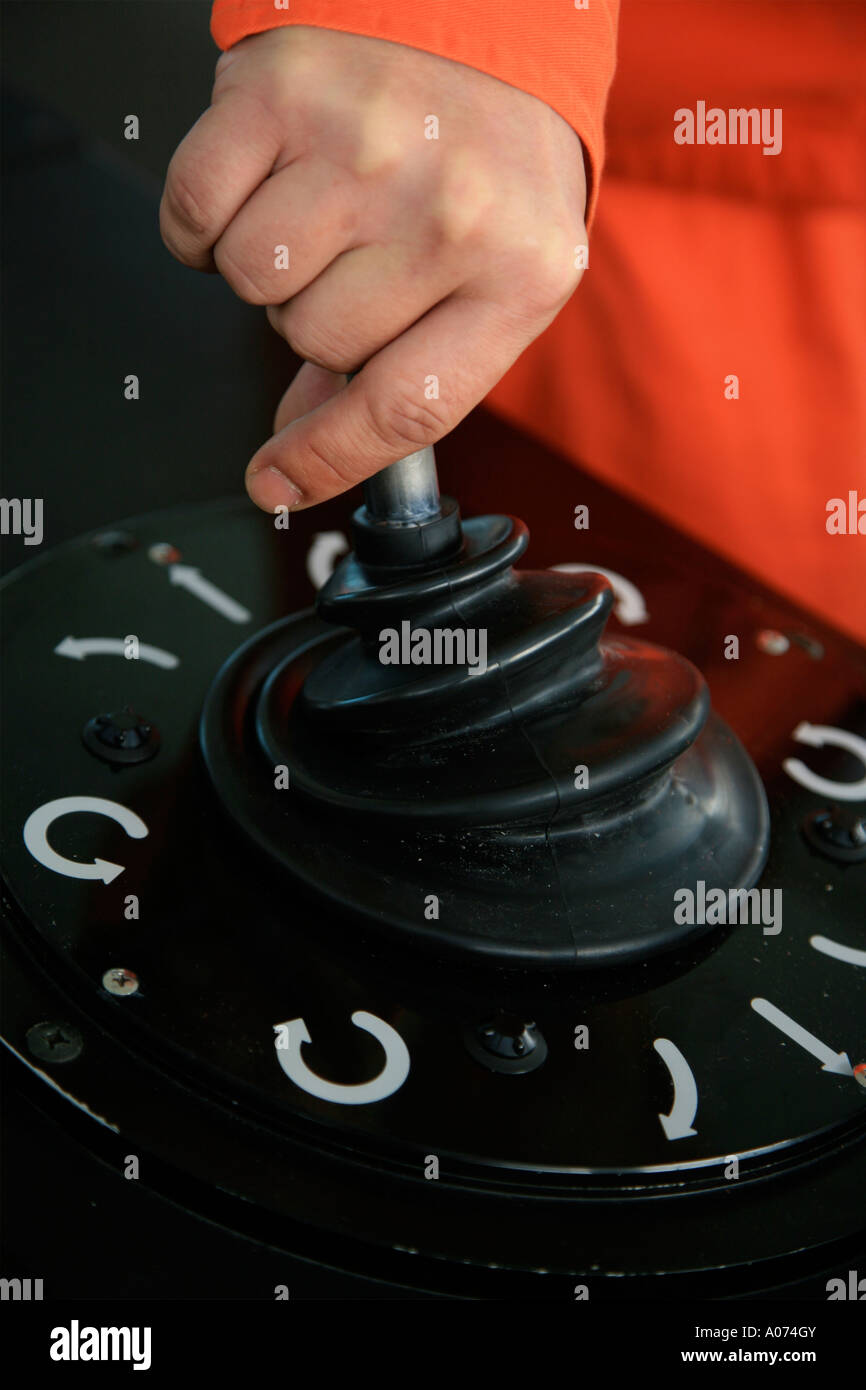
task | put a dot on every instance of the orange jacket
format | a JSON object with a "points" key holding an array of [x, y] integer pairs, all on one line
{"points": [[713, 361]]}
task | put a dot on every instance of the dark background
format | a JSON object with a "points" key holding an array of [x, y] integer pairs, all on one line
{"points": [[95, 61], [90, 294]]}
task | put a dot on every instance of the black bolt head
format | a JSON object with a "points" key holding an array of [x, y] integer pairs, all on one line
{"points": [[838, 832], [123, 737]]}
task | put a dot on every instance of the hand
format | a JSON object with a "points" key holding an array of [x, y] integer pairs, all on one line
{"points": [[433, 261]]}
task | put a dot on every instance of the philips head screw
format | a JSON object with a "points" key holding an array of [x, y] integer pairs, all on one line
{"points": [[120, 981], [54, 1042]]}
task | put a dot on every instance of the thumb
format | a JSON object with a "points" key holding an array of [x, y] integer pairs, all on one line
{"points": [[407, 396]]}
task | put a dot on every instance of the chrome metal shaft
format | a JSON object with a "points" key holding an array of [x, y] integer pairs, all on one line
{"points": [[406, 491]]}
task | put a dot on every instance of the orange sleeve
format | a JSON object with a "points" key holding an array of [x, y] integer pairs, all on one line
{"points": [[560, 53]]}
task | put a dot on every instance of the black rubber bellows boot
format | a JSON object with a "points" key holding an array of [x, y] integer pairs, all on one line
{"points": [[534, 797]]}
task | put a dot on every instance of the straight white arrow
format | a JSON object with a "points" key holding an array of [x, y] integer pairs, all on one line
{"points": [[836, 1062], [838, 951], [678, 1124], [191, 579], [79, 647]]}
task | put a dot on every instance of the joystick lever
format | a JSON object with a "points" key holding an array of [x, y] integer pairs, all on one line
{"points": [[404, 521]]}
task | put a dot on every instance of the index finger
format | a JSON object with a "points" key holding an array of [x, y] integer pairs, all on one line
{"points": [[408, 395]]}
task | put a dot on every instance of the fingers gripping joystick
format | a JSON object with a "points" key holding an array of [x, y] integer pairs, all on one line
{"points": [[460, 733]]}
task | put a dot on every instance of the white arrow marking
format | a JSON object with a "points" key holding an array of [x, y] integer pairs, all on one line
{"points": [[39, 822], [191, 579], [630, 606], [836, 1062], [323, 555], [79, 647], [816, 736], [837, 951], [390, 1078], [678, 1124]]}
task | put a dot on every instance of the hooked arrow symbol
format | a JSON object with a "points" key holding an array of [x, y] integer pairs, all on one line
{"points": [[291, 1036], [678, 1124]]}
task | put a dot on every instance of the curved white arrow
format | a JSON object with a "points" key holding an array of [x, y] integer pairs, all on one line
{"points": [[292, 1035], [323, 555], [678, 1124], [630, 606], [816, 736], [836, 1062], [191, 579], [79, 647], [838, 951], [39, 822]]}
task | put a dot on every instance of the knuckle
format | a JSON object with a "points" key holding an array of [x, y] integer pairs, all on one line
{"points": [[464, 205], [242, 280], [225, 61], [545, 274], [183, 216], [275, 314], [308, 341], [403, 420], [331, 470]]}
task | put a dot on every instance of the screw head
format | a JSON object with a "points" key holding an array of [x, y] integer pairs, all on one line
{"points": [[122, 737], [54, 1042], [162, 553], [507, 1044], [771, 642], [849, 831], [114, 542], [117, 980]]}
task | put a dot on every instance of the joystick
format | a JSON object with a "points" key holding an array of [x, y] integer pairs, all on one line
{"points": [[361, 932], [453, 727]]}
